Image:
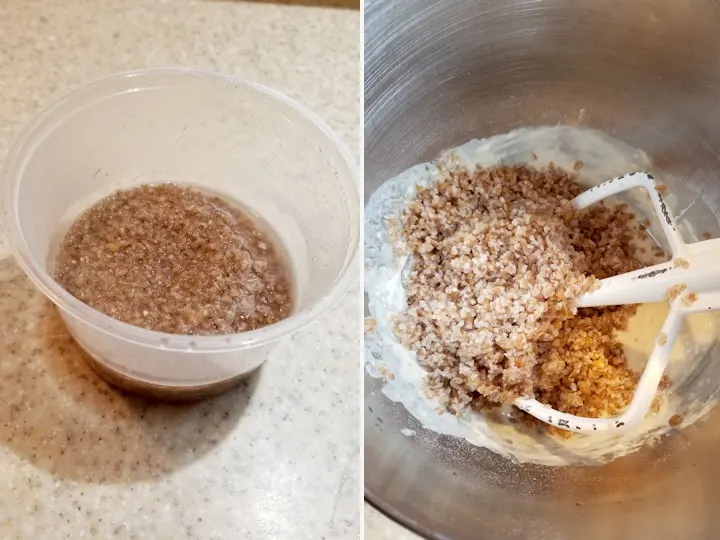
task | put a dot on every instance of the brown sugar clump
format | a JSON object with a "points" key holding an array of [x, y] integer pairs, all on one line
{"points": [[175, 260], [583, 370], [499, 256]]}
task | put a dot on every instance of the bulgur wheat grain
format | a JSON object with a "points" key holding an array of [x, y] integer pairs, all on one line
{"points": [[498, 257], [175, 260]]}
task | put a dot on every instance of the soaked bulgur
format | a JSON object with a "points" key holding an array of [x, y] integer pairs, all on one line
{"points": [[175, 260], [498, 257]]}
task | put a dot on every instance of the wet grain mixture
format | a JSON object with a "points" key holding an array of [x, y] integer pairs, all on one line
{"points": [[499, 256], [175, 260]]}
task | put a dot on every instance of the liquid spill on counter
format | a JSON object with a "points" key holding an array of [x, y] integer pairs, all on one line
{"points": [[603, 158]]}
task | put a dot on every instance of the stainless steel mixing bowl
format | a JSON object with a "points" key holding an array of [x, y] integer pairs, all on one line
{"points": [[439, 73]]}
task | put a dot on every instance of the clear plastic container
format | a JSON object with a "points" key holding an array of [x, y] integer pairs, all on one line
{"points": [[234, 137]]}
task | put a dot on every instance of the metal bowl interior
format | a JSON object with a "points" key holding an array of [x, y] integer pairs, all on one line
{"points": [[441, 73]]}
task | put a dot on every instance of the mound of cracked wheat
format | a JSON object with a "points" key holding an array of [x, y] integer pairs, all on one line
{"points": [[175, 260], [498, 257]]}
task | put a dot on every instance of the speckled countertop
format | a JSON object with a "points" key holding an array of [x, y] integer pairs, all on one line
{"points": [[276, 458]]}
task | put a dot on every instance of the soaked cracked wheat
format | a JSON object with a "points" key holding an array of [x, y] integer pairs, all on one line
{"points": [[175, 260], [498, 257]]}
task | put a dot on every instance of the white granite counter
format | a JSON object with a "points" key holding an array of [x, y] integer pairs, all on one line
{"points": [[276, 458]]}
